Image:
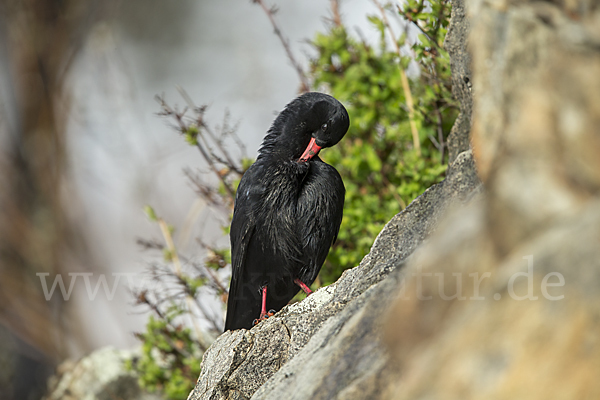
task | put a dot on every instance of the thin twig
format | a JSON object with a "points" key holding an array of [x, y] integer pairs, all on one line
{"points": [[227, 162], [440, 132], [412, 21], [166, 232], [227, 131], [215, 279], [238, 141], [434, 141], [204, 191], [214, 169], [199, 305], [210, 318], [405, 84], [305, 85], [149, 244], [335, 13], [183, 128], [392, 188], [187, 294], [202, 124], [363, 39], [142, 298]]}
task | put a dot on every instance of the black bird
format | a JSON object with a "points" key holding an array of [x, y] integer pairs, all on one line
{"points": [[288, 210]]}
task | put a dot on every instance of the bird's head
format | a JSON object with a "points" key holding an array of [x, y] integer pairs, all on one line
{"points": [[327, 122], [307, 124]]}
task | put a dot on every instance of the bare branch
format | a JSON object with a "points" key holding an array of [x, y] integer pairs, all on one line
{"points": [[440, 132], [201, 123], [305, 84], [143, 298], [209, 273], [205, 191], [168, 111], [149, 244], [191, 299], [336, 17], [434, 141], [415, 23]]}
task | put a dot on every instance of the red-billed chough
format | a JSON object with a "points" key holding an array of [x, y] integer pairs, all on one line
{"points": [[288, 210]]}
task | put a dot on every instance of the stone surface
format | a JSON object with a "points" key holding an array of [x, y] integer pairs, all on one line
{"points": [[331, 345], [240, 362], [536, 119], [536, 141], [460, 61], [98, 376], [499, 298], [494, 342]]}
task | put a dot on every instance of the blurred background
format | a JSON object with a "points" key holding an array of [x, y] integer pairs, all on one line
{"points": [[82, 150]]}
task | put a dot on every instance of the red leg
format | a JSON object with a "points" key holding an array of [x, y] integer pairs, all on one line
{"points": [[263, 309], [264, 314], [303, 286]]}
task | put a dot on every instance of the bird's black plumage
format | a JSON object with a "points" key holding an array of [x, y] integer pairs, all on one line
{"points": [[288, 209]]}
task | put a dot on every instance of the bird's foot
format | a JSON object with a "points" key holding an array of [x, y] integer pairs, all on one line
{"points": [[263, 316]]}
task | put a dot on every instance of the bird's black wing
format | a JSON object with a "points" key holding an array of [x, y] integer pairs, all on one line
{"points": [[320, 211], [243, 225]]}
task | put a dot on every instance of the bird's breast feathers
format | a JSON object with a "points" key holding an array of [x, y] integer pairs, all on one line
{"points": [[297, 207]]}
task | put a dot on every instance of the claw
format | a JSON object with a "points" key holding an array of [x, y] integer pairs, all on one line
{"points": [[262, 317]]}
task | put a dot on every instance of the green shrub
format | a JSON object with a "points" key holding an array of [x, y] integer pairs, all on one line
{"points": [[391, 154], [381, 168]]}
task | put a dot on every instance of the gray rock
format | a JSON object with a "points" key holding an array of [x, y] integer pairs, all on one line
{"points": [[329, 345], [460, 65], [99, 376], [323, 330], [535, 134], [346, 352]]}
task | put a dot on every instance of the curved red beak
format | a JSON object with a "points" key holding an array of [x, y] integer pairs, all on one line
{"points": [[311, 150]]}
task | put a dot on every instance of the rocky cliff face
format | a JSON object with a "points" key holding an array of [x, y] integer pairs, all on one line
{"points": [[99, 376], [500, 297], [331, 343], [536, 140], [336, 330]]}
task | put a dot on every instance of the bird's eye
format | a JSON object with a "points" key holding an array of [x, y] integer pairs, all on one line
{"points": [[324, 127]]}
